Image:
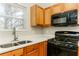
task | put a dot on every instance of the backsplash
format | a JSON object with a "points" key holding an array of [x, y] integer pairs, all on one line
{"points": [[52, 30]]}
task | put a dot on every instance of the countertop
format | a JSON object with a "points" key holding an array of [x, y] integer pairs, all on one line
{"points": [[35, 39]]}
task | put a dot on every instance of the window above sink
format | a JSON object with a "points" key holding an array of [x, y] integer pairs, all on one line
{"points": [[11, 14]]}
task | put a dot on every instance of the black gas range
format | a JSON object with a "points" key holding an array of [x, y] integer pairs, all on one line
{"points": [[65, 43]]}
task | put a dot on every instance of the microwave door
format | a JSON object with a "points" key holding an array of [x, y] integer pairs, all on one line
{"points": [[73, 17], [60, 21]]}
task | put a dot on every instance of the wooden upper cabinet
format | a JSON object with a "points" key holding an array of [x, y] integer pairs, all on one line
{"points": [[58, 8], [47, 21], [40, 16], [37, 16], [78, 6], [33, 15], [69, 6]]}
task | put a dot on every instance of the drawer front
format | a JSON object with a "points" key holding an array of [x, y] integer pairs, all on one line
{"points": [[33, 53], [18, 52], [29, 48]]}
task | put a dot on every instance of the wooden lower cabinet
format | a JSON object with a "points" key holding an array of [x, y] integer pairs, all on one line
{"points": [[78, 51], [39, 49]]}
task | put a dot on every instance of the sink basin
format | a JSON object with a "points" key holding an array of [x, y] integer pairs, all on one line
{"points": [[15, 44]]}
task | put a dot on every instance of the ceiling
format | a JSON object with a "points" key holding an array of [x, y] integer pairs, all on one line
{"points": [[44, 5]]}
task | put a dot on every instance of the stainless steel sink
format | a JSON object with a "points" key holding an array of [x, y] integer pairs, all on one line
{"points": [[15, 44]]}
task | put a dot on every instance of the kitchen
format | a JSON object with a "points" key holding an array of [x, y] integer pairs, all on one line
{"points": [[35, 25]]}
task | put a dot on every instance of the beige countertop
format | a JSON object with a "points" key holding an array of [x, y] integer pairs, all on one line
{"points": [[34, 38]]}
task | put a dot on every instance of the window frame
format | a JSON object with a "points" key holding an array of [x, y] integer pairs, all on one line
{"points": [[10, 16]]}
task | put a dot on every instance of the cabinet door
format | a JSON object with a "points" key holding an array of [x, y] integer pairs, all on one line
{"points": [[47, 20], [45, 48], [37, 15], [41, 49], [33, 15], [70, 6], [78, 51], [58, 8], [33, 53], [40, 16]]}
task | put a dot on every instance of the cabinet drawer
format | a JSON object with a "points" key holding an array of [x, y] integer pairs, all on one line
{"points": [[29, 48], [33, 53], [18, 52]]}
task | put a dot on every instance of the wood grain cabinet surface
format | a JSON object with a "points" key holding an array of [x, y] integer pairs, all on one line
{"points": [[58, 8], [33, 53], [40, 16], [78, 51], [18, 52], [37, 15], [47, 15], [69, 6]]}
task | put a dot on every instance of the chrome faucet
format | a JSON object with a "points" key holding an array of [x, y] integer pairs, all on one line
{"points": [[14, 34]]}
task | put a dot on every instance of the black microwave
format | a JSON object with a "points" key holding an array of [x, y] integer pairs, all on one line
{"points": [[64, 19]]}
